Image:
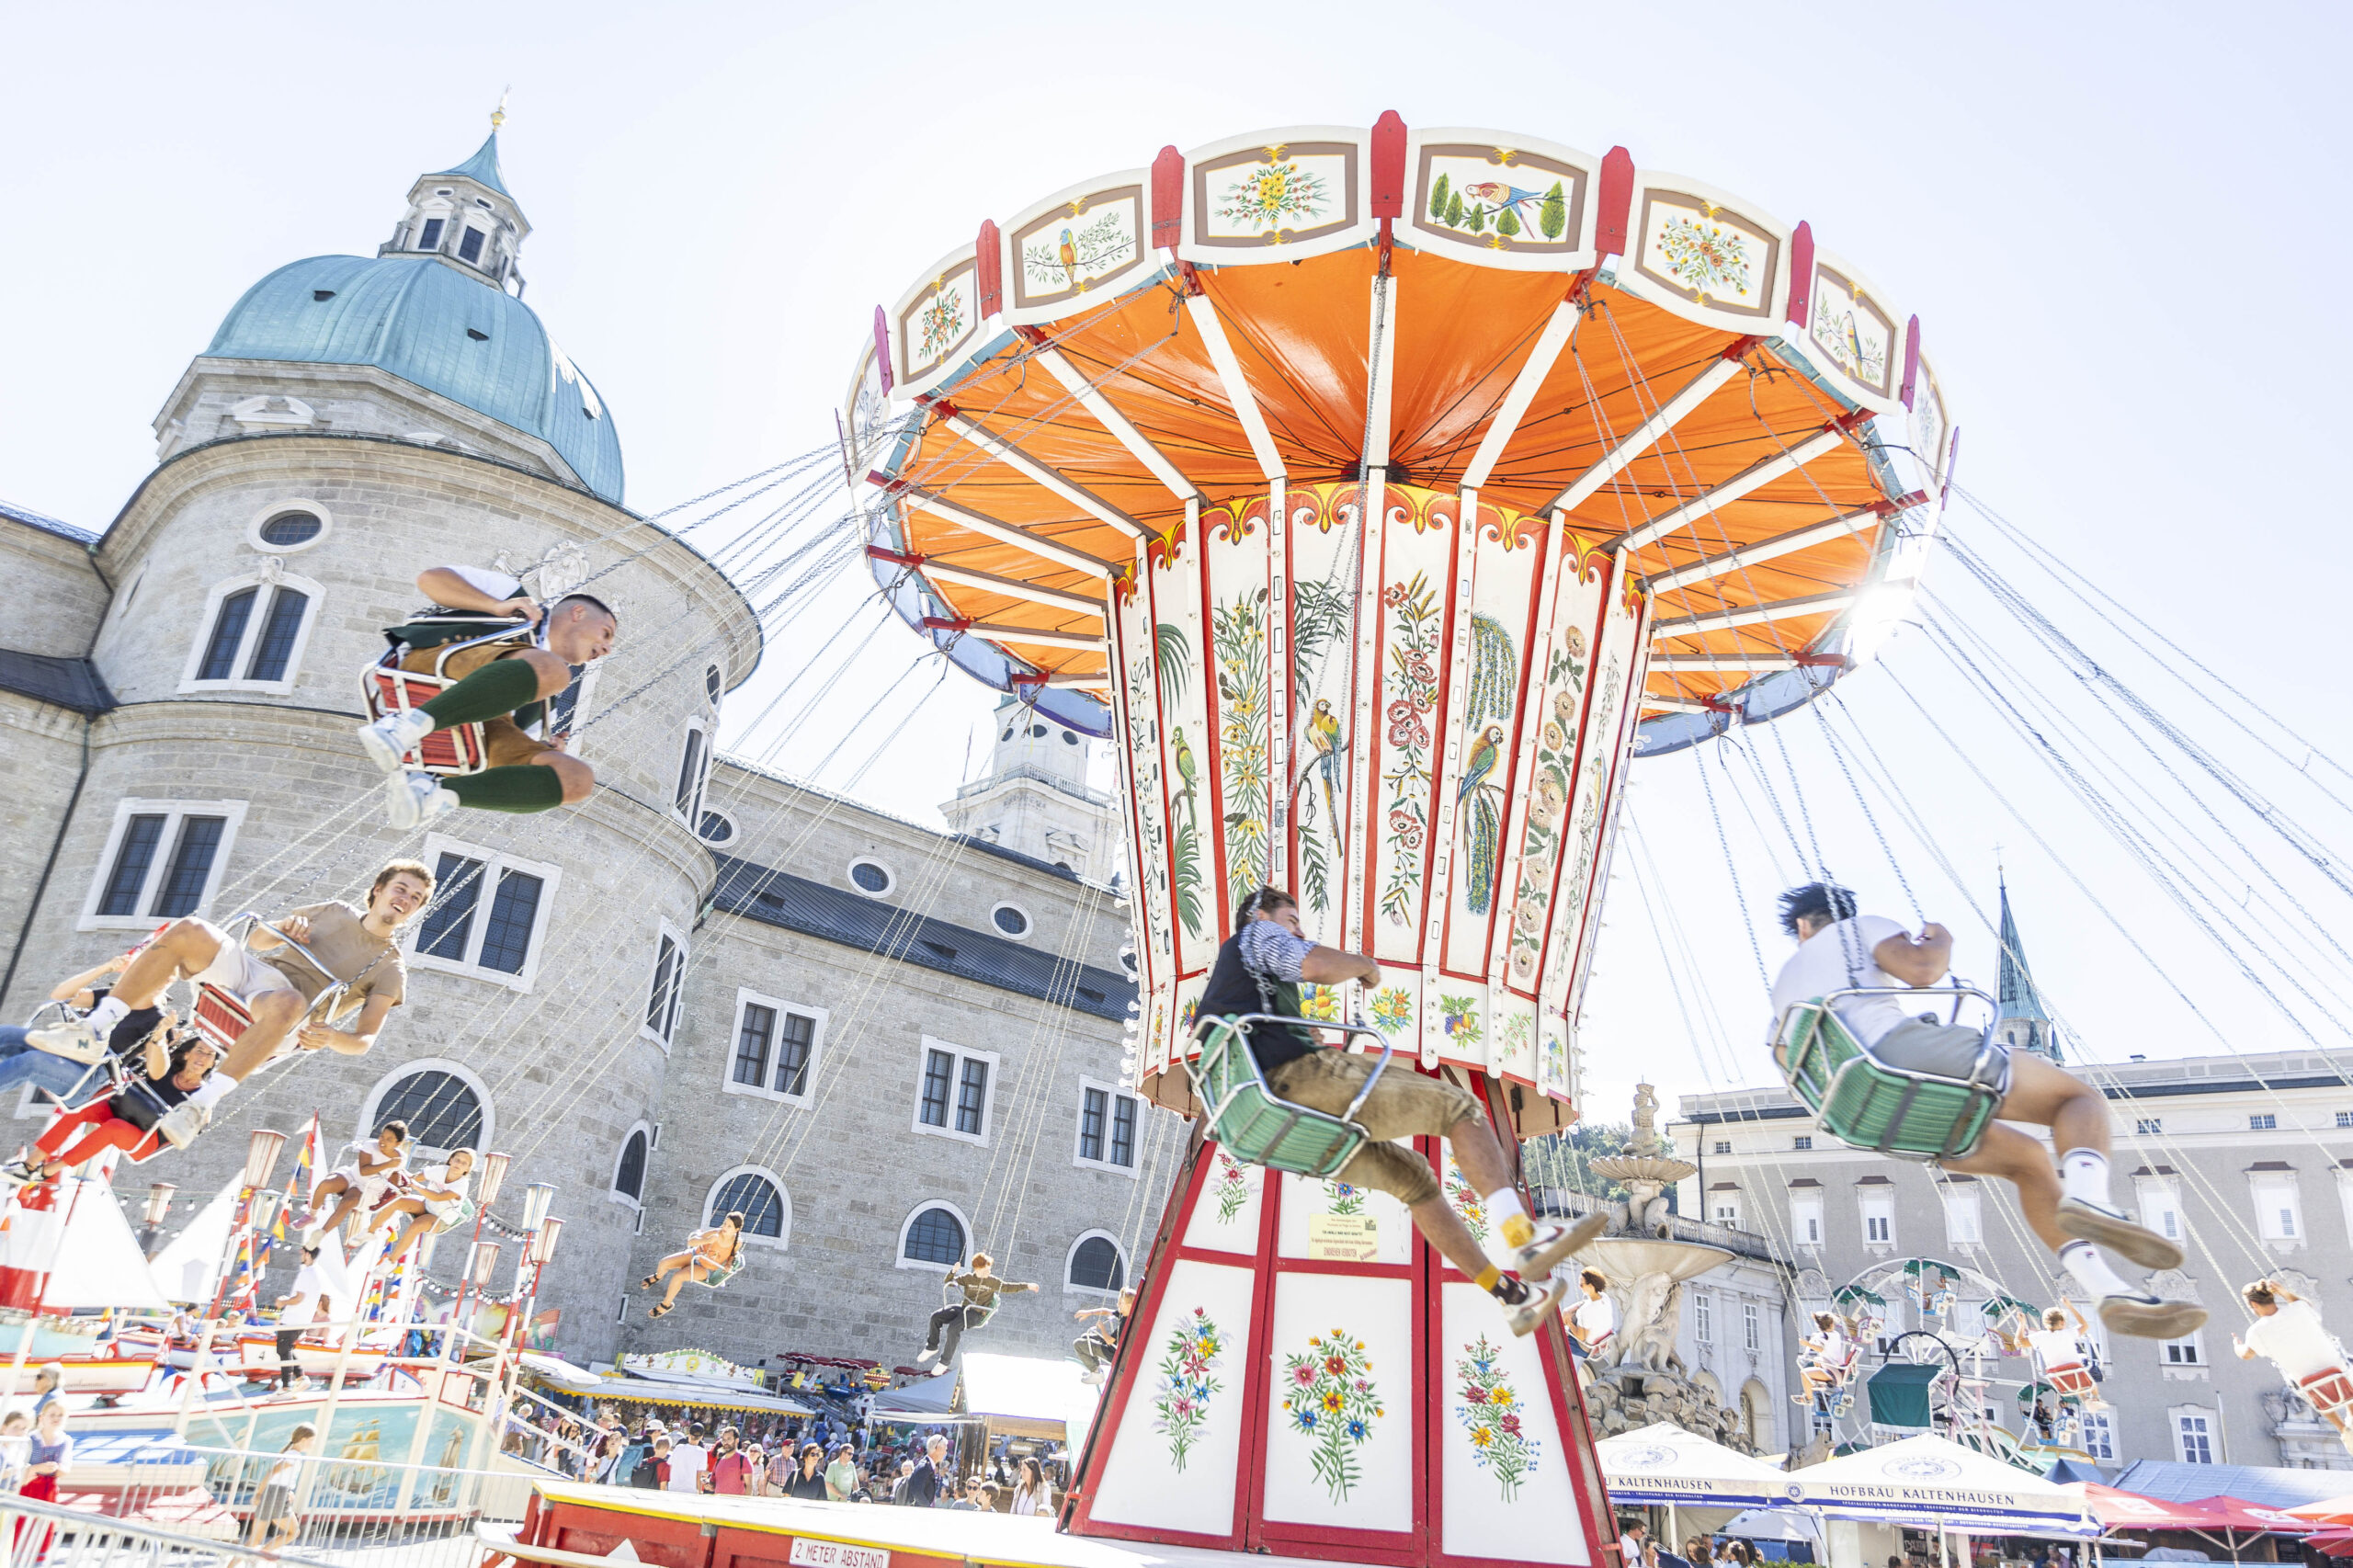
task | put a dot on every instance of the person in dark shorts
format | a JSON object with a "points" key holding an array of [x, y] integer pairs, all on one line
{"points": [[1259, 970]]}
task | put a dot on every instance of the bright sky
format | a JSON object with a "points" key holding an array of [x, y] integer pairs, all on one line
{"points": [[2120, 225]]}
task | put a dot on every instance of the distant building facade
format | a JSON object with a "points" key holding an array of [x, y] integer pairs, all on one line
{"points": [[708, 987]]}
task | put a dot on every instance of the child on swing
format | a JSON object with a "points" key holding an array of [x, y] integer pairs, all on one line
{"points": [[366, 1177], [436, 1200], [108, 1122], [716, 1251]]}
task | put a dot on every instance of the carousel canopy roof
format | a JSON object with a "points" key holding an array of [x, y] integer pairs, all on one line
{"points": [[1667, 369]]}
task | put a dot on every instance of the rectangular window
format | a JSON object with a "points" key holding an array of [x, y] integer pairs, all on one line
{"points": [[1107, 1127], [2279, 1211], [134, 857], [2150, 1127], [470, 247], [1723, 1145], [754, 1034], [2262, 1121], [953, 1100], [1965, 1220], [2345, 1119], [488, 915], [1725, 1210], [687, 799], [1801, 1143], [777, 1041], [220, 662], [191, 866], [429, 238], [939, 1073], [2193, 1438], [1703, 1317], [2185, 1352], [274, 650], [662, 997], [2100, 1436], [1752, 1326], [162, 859], [1805, 1222], [1878, 1220]]}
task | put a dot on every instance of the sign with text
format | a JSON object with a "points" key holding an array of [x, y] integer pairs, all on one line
{"points": [[809, 1553], [1343, 1238]]}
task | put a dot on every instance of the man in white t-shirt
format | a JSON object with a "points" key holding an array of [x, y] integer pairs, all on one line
{"points": [[2289, 1334], [2065, 1362], [504, 685], [1630, 1544], [1593, 1321], [1840, 949], [688, 1460]]}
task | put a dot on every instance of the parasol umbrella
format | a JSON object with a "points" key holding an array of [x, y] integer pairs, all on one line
{"points": [[2328, 1511]]}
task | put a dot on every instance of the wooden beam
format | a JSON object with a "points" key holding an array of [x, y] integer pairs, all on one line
{"points": [[1058, 365], [1013, 456], [1764, 550], [1019, 538], [1743, 663], [1755, 477], [942, 570], [1752, 615], [1701, 388], [1237, 385], [997, 631], [1532, 371]]}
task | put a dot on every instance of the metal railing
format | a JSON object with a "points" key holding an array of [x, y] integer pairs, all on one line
{"points": [[341, 1511], [43, 1533]]}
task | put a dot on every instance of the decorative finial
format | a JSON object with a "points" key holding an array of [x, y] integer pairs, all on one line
{"points": [[498, 115]]}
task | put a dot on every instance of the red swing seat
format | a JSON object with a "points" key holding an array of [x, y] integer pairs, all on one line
{"points": [[2328, 1392], [222, 1016], [445, 754], [2076, 1381]]}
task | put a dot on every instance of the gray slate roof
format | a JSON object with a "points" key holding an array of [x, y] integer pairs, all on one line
{"points": [[796, 904], [45, 523], [68, 683]]}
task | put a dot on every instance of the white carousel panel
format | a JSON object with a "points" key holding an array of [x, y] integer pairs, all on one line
{"points": [[1142, 762], [1340, 1424], [1275, 196], [933, 322], [1853, 335], [1706, 255], [1077, 247], [1416, 580], [866, 414], [1333, 1221], [1324, 555], [1176, 1459], [1470, 1206], [1931, 425], [1168, 615], [1622, 655], [1237, 672], [1226, 1218], [1505, 1490], [1500, 200]]}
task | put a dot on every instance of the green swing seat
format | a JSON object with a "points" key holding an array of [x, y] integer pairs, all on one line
{"points": [[1258, 1126], [1866, 1102]]}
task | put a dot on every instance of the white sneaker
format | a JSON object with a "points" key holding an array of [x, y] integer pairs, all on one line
{"points": [[2146, 1315], [926, 1357], [181, 1125], [75, 1041], [1551, 1245], [1093, 1379], [2105, 1227], [412, 800], [1542, 1303], [390, 739]]}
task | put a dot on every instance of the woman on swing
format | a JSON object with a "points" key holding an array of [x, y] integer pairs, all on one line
{"points": [[716, 1252], [2067, 1207], [435, 1201]]}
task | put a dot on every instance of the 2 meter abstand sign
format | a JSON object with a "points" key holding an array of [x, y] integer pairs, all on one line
{"points": [[1303, 1377]]}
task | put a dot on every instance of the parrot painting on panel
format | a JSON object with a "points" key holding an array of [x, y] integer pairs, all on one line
{"points": [[1477, 802], [1324, 736]]}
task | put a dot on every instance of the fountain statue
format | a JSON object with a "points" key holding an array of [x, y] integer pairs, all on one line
{"points": [[1639, 1377]]}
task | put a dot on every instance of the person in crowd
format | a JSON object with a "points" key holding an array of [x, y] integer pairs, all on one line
{"points": [[300, 1308], [1698, 1552], [2288, 1332], [689, 1462], [128, 1121], [273, 1517], [503, 683], [1259, 970], [1100, 1343], [16, 1445], [435, 1199], [981, 1289], [1593, 1323], [22, 1062], [2068, 1207], [1031, 1495], [808, 1482], [278, 984], [47, 1381], [841, 1474], [931, 1482], [731, 1467], [605, 1469], [51, 1450], [364, 1178], [652, 1471], [782, 1463], [1631, 1535], [711, 1257]]}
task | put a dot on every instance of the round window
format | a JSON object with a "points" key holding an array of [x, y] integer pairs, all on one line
{"points": [[872, 876], [1036, 731], [716, 829], [290, 528], [1010, 920]]}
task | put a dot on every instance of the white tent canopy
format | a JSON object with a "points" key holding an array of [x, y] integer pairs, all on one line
{"points": [[99, 1263], [189, 1266], [1663, 1463], [1028, 1389], [1931, 1483]]}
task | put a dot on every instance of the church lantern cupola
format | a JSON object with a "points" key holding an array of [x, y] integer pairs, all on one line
{"points": [[465, 217]]}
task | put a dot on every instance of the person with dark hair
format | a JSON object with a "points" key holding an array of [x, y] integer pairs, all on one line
{"points": [[504, 683], [2069, 1206], [127, 1121], [2288, 1333], [1100, 1344], [981, 1289], [711, 1257], [1592, 1322], [340, 947], [366, 1177], [1259, 969]]}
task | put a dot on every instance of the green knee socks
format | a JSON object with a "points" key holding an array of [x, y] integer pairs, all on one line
{"points": [[525, 788], [498, 688]]}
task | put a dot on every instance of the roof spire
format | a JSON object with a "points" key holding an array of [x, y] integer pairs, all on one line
{"points": [[2021, 1003]]}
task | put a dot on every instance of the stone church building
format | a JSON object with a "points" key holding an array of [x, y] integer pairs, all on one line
{"points": [[706, 988]]}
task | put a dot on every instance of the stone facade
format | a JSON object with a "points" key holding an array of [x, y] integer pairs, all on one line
{"points": [[588, 1040]]}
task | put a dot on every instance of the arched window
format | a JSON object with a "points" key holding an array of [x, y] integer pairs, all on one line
{"points": [[934, 1238], [1094, 1263], [253, 633], [694, 771], [629, 1171], [445, 1105], [758, 1197]]}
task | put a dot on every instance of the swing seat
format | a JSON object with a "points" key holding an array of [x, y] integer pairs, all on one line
{"points": [[445, 753], [2076, 1382], [2328, 1392], [721, 1273], [1867, 1103], [1259, 1127], [222, 1018]]}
